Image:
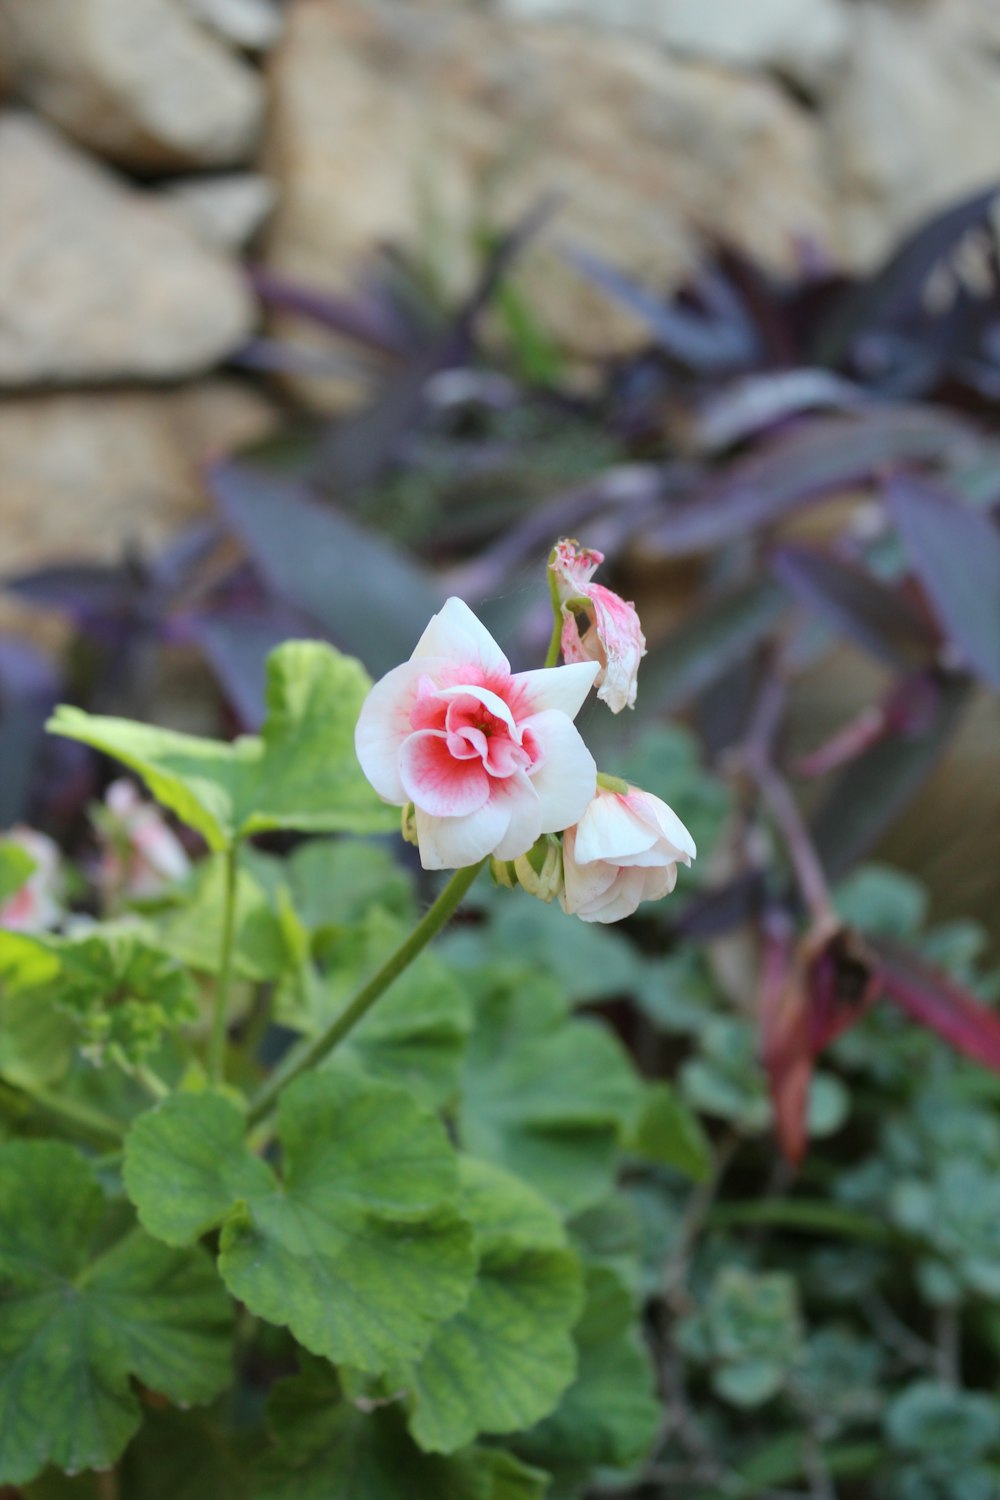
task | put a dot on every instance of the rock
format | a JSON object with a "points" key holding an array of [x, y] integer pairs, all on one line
{"points": [[464, 108], [86, 472], [137, 80], [226, 211], [252, 24], [99, 281], [914, 123], [804, 40]]}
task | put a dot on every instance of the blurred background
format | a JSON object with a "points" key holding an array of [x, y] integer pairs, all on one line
{"points": [[312, 313]]}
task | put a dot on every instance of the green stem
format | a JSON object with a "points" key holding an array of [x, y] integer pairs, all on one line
{"points": [[555, 642], [309, 1052], [220, 1012], [82, 1119]]}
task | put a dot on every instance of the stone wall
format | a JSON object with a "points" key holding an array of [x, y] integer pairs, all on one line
{"points": [[147, 146]]}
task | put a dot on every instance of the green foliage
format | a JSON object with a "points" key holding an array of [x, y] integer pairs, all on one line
{"points": [[16, 868], [82, 1315], [123, 993], [503, 1361], [543, 1095], [416, 1036], [323, 1439], [749, 1334], [358, 1248], [300, 772]]}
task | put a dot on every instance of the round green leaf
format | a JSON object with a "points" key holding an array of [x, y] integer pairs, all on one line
{"points": [[76, 1326], [359, 1248]]}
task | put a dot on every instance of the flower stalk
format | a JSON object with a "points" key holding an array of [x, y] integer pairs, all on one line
{"points": [[311, 1052]]}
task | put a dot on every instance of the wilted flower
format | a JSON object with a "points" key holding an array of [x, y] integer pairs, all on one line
{"points": [[624, 850], [490, 759], [613, 637], [140, 855], [37, 906]]}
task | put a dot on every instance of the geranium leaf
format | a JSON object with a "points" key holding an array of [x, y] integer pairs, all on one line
{"points": [[301, 772], [76, 1326], [665, 1131], [503, 1361], [325, 1446], [544, 1094], [16, 866], [359, 1249], [610, 1414]]}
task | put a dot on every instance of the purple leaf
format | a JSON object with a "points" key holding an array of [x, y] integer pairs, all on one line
{"points": [[750, 406], [236, 643], [823, 456], [955, 551], [363, 319], [939, 1003], [874, 789], [721, 338], [709, 642], [371, 599], [877, 617], [895, 292]]}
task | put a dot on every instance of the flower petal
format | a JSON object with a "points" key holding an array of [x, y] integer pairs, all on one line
{"points": [[567, 778], [564, 688], [453, 843], [435, 782], [491, 701], [384, 723], [455, 632], [610, 830], [525, 816], [653, 811]]}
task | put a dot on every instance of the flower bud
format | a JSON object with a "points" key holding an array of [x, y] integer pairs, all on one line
{"points": [[613, 636], [540, 871], [408, 824]]}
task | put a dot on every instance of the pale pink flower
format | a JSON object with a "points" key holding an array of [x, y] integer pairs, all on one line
{"points": [[36, 907], [490, 759], [613, 637], [624, 850], [141, 855]]}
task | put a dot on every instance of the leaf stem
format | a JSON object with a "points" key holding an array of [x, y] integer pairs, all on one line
{"points": [[309, 1052], [83, 1119], [217, 1042]]}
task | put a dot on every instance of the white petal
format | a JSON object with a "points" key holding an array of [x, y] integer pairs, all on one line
{"points": [[384, 723], [453, 843], [567, 778], [621, 900], [525, 817], [584, 884], [564, 688], [653, 810], [610, 830], [455, 632]]}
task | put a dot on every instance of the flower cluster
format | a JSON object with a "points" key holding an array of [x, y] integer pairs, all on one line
{"points": [[487, 762]]}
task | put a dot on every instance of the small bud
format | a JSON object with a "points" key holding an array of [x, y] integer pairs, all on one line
{"points": [[408, 824], [540, 871], [504, 874]]}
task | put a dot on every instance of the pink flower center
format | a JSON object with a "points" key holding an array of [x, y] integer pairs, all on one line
{"points": [[465, 739]]}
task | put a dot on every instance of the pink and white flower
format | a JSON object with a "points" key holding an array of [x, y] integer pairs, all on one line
{"points": [[490, 759], [140, 855], [37, 906], [613, 637], [624, 850]]}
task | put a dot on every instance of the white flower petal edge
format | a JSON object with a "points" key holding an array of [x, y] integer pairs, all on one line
{"points": [[456, 633]]}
